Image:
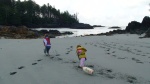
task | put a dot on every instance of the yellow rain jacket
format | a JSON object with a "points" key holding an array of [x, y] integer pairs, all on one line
{"points": [[82, 54]]}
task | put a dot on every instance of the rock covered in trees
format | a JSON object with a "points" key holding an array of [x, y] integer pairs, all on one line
{"points": [[56, 32], [81, 26]]}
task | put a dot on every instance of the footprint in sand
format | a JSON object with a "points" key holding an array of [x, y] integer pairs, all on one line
{"points": [[139, 62], [95, 45], [71, 46], [108, 50], [73, 62], [56, 58], [51, 57], [57, 54], [139, 51], [67, 52], [108, 53], [21, 67], [113, 51], [109, 70], [137, 54], [59, 59], [68, 48], [147, 53], [39, 60], [121, 57], [143, 55], [131, 79], [114, 55], [106, 73], [13, 73], [34, 63]]}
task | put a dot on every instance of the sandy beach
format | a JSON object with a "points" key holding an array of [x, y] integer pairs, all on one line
{"points": [[116, 59]]}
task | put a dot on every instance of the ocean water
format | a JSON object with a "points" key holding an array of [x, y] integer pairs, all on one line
{"points": [[79, 32]]}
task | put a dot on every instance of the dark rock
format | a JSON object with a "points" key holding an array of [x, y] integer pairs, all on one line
{"points": [[138, 28], [20, 32], [146, 22], [55, 32], [147, 34], [44, 31], [133, 26], [98, 26], [113, 32], [114, 27], [30, 34], [81, 26], [68, 33]]}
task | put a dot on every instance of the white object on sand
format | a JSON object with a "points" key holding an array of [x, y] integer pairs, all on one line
{"points": [[88, 70]]}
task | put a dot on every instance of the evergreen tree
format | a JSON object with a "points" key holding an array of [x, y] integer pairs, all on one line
{"points": [[30, 14]]}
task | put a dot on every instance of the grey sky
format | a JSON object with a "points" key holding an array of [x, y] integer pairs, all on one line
{"points": [[103, 12]]}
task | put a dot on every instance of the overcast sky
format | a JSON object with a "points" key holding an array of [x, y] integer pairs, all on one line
{"points": [[103, 12]]}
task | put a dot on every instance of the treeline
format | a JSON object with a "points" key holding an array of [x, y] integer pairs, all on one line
{"points": [[30, 14]]}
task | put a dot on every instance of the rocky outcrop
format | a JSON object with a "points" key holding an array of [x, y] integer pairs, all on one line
{"points": [[113, 32], [98, 26], [16, 32], [114, 27], [147, 33], [135, 27], [22, 32], [146, 22], [81, 26]]}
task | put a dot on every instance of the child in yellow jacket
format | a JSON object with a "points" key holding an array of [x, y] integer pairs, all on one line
{"points": [[81, 53]]}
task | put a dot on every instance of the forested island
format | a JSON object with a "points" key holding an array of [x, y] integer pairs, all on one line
{"points": [[30, 14]]}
